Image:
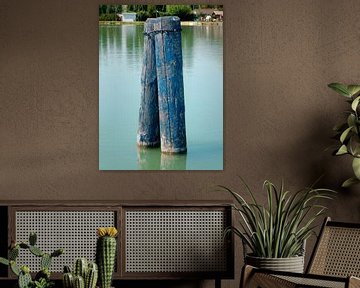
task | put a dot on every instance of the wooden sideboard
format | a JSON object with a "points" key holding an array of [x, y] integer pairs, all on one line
{"points": [[157, 240]]}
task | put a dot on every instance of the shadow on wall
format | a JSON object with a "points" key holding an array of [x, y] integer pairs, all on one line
{"points": [[310, 155], [331, 169], [335, 170], [309, 158]]}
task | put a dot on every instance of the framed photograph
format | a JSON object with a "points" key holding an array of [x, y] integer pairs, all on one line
{"points": [[161, 87]]}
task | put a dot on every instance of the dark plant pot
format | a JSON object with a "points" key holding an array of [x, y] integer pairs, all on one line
{"points": [[291, 264]]}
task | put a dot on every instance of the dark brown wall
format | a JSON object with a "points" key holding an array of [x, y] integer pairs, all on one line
{"points": [[279, 57]]}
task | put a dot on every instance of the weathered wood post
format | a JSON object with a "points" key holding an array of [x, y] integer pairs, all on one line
{"points": [[148, 130], [170, 84]]}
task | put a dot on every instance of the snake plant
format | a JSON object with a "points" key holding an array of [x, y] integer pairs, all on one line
{"points": [[348, 132], [279, 228]]}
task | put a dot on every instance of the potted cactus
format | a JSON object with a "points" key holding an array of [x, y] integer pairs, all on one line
{"points": [[85, 275], [42, 278], [106, 254]]}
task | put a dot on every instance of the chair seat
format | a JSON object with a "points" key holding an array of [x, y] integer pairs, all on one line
{"points": [[335, 262], [267, 279], [315, 282]]}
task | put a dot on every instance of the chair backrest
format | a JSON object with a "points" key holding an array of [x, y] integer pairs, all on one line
{"points": [[337, 251]]}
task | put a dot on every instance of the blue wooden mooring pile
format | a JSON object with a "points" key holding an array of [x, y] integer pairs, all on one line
{"points": [[162, 107]]}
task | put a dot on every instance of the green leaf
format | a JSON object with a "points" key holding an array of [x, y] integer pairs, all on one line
{"points": [[13, 253], [45, 261], [342, 150], [14, 268], [356, 167], [349, 182], [355, 103], [36, 251], [340, 88], [345, 134], [4, 261], [353, 89], [24, 280], [354, 145], [351, 120]]}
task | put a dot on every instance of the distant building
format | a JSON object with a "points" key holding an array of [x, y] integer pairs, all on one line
{"points": [[218, 15], [209, 14], [203, 12], [127, 16]]}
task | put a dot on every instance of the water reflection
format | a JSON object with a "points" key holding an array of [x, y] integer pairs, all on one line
{"points": [[153, 159], [148, 158], [125, 41], [173, 161]]}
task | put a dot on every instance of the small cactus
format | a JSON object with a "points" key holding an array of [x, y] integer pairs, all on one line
{"points": [[42, 283], [42, 278], [36, 251], [24, 277], [106, 254], [81, 266], [91, 276], [67, 269], [89, 272], [79, 282], [68, 280], [45, 261]]}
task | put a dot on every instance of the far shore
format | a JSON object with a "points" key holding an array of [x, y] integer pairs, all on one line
{"points": [[183, 23]]}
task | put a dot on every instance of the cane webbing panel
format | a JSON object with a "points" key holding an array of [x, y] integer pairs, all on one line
{"points": [[74, 231], [313, 282], [175, 241], [338, 252], [267, 280]]}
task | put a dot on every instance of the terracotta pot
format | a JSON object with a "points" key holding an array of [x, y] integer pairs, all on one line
{"points": [[291, 264]]}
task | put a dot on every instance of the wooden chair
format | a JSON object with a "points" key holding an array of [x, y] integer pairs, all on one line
{"points": [[334, 263]]}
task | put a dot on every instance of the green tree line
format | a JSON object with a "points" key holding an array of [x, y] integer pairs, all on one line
{"points": [[108, 12], [184, 12]]}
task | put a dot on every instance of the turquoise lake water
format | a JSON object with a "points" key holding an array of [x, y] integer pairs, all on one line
{"points": [[120, 63]]}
